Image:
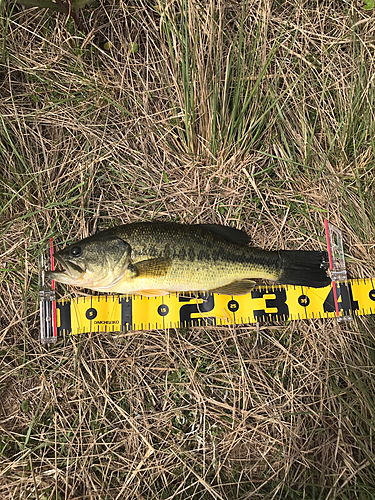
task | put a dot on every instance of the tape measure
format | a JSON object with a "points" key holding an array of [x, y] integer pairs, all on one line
{"points": [[264, 304], [120, 313]]}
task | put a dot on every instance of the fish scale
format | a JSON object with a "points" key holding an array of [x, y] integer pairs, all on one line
{"points": [[210, 259]]}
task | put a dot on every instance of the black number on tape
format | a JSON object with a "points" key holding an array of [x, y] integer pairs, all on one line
{"points": [[233, 306], [65, 327], [303, 300], [91, 313], [344, 299], [278, 302], [194, 308], [126, 313], [163, 310]]}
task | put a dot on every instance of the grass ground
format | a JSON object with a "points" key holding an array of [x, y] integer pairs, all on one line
{"points": [[254, 114]]}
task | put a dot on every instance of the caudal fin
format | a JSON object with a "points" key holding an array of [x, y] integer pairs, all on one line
{"points": [[304, 268]]}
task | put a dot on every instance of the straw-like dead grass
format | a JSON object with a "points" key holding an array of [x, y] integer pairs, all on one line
{"points": [[257, 115]]}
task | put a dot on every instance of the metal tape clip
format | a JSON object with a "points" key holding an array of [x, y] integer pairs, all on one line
{"points": [[337, 266], [47, 300]]}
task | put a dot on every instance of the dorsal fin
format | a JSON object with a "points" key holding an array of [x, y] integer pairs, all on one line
{"points": [[230, 233]]}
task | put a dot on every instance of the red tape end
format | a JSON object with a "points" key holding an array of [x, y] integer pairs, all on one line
{"points": [[331, 268], [54, 320]]}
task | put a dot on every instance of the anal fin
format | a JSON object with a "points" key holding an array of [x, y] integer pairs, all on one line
{"points": [[235, 288], [151, 293]]}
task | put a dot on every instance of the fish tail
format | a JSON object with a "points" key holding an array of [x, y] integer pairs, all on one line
{"points": [[304, 268]]}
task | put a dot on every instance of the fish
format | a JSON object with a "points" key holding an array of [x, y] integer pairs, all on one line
{"points": [[157, 258]]}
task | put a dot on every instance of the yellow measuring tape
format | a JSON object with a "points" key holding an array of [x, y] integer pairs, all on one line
{"points": [[114, 313]]}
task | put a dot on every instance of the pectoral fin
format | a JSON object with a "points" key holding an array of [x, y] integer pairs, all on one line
{"points": [[235, 288], [152, 267]]}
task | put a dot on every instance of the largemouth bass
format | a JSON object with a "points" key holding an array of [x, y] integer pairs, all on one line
{"points": [[155, 258]]}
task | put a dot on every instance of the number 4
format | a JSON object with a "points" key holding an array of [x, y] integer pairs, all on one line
{"points": [[344, 292]]}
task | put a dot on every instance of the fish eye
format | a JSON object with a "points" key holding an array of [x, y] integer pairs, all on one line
{"points": [[76, 251]]}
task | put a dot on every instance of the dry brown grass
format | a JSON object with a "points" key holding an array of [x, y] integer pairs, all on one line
{"points": [[258, 116]]}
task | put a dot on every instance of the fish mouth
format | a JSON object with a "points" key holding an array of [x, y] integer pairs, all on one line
{"points": [[69, 268]]}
